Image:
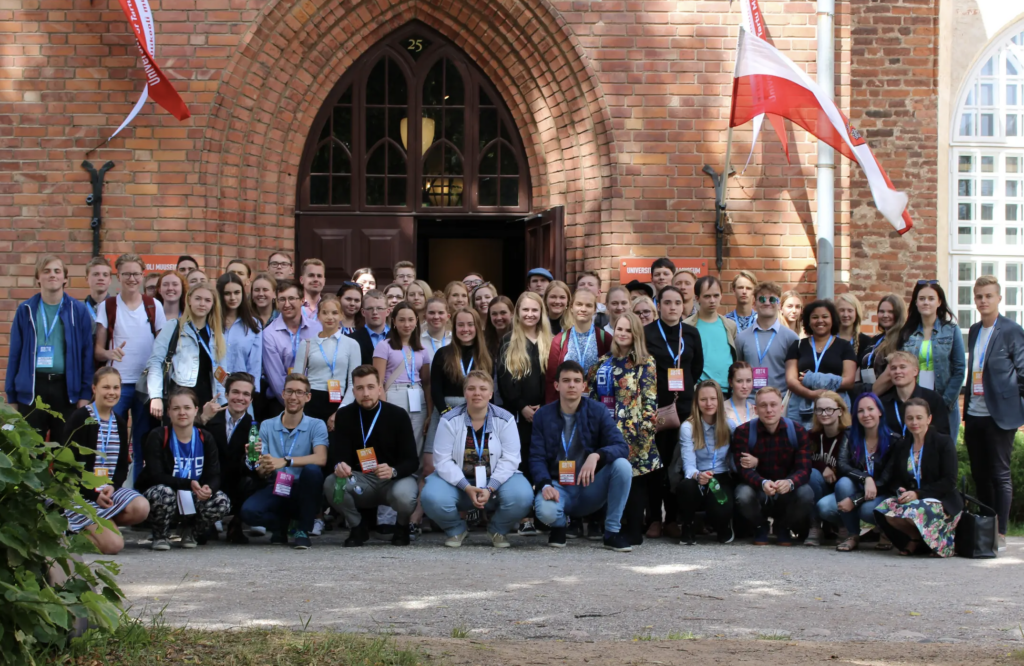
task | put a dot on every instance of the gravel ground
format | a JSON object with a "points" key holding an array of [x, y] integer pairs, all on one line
{"points": [[583, 592]]}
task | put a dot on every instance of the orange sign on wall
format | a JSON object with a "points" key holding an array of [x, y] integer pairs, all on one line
{"points": [[154, 262], [639, 268]]}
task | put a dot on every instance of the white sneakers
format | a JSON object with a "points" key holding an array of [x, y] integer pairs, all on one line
{"points": [[456, 541], [318, 527], [498, 540]]}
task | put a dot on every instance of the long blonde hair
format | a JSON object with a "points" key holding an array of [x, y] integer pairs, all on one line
{"points": [[850, 299], [517, 359], [697, 422], [639, 351], [214, 319], [891, 343]]}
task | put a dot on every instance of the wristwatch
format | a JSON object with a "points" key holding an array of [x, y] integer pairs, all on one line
{"points": [[287, 462], [394, 472]]}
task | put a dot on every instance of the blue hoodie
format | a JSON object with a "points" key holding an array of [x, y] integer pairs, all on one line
{"points": [[78, 343], [597, 433]]}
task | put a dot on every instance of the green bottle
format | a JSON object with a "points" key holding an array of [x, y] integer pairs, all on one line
{"points": [[254, 436], [716, 490], [339, 489]]}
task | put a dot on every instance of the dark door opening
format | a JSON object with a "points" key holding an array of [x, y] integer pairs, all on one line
{"points": [[447, 250]]}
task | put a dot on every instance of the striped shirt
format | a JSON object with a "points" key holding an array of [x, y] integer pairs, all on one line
{"points": [[108, 449]]}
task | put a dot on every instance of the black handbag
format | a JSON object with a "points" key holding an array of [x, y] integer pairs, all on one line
{"points": [[976, 532]]}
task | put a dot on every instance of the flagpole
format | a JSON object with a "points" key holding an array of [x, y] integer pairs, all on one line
{"points": [[826, 167]]}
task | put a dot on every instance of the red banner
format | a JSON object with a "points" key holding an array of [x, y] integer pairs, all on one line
{"points": [[140, 18], [639, 268]]}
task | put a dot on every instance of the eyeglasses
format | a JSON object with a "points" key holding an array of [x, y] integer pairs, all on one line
{"points": [[290, 392], [376, 309], [131, 276], [825, 411], [774, 300], [280, 264], [288, 299], [921, 283]]}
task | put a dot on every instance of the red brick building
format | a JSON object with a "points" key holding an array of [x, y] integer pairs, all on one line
{"points": [[608, 109]]}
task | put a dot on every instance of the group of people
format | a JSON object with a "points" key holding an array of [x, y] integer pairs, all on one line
{"points": [[640, 412]]}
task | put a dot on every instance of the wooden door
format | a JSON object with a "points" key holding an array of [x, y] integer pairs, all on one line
{"points": [[545, 241], [346, 243]]}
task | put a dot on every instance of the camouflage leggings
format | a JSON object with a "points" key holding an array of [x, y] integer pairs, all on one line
{"points": [[163, 510]]}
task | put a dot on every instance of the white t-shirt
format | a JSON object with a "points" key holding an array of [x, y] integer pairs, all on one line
{"points": [[132, 327]]}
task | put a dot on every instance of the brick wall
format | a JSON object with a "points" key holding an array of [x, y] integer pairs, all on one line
{"points": [[620, 104]]}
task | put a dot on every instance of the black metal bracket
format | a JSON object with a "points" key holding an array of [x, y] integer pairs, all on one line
{"points": [[719, 183], [96, 201]]}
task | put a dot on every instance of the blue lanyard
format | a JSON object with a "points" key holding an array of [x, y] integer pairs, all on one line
{"points": [[760, 356], [366, 435], [586, 345], [466, 369], [478, 444], [899, 419], [682, 343], [869, 462], [202, 342], [916, 467], [408, 362], [47, 326], [814, 351], [294, 337], [92, 310], [333, 363], [294, 438], [572, 436], [433, 347], [872, 354], [184, 464], [982, 348], [746, 409], [104, 442]]}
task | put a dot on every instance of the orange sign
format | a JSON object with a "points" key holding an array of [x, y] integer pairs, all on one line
{"points": [[154, 262], [639, 268]]}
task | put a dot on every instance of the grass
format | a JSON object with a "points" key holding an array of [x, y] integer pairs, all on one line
{"points": [[1015, 529], [137, 644], [681, 636], [460, 632], [1019, 654], [774, 636]]}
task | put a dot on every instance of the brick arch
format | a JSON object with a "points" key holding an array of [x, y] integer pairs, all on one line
{"points": [[295, 52]]}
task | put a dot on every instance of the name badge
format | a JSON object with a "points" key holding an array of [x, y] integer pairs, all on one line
{"points": [[760, 378], [675, 379], [609, 402], [334, 390], [283, 484], [367, 459], [567, 472], [977, 386], [102, 472], [44, 356], [220, 374], [415, 399], [481, 476], [867, 375], [926, 379]]}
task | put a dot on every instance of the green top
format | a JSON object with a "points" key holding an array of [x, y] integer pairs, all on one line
{"points": [[926, 357], [717, 352], [55, 340]]}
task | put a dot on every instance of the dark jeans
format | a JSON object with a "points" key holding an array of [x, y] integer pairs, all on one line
{"points": [[691, 500], [141, 423], [53, 389], [275, 513], [659, 493], [525, 429], [636, 505], [989, 448], [788, 510]]}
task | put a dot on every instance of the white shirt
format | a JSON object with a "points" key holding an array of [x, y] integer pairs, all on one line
{"points": [[131, 327], [432, 345]]}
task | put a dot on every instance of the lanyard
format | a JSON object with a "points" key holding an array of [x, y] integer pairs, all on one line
{"points": [[47, 326], [572, 436], [184, 464], [760, 356], [104, 442], [92, 310], [466, 369], [408, 362], [682, 343], [345, 330], [819, 357], [294, 338], [333, 364], [927, 356], [478, 444], [294, 437], [714, 451], [366, 435], [916, 468], [202, 342], [586, 345], [872, 354], [746, 410], [869, 461], [899, 419], [444, 341], [981, 349]]}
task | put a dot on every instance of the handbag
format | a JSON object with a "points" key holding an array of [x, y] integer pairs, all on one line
{"points": [[667, 418], [142, 386], [976, 532]]}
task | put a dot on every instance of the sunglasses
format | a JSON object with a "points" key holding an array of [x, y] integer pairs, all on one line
{"points": [[774, 300], [921, 283]]}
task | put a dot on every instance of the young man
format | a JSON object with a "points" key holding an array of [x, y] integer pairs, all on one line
{"points": [[280, 266], [126, 327], [230, 425], [195, 277], [590, 281], [373, 448], [993, 405], [662, 271], [636, 289], [281, 340], [50, 351], [150, 282], [186, 264], [242, 270], [405, 273], [717, 334], [903, 369], [765, 343], [472, 280], [684, 281], [777, 487], [294, 448], [743, 286], [312, 280], [97, 275], [538, 279], [575, 440], [375, 314]]}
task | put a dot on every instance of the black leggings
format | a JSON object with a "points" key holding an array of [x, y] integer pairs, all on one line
{"points": [[667, 442], [690, 500], [636, 504]]}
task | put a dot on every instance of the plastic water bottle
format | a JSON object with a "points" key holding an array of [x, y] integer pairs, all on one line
{"points": [[254, 437], [339, 489], [716, 490]]}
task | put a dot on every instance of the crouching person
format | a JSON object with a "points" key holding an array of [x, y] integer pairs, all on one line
{"points": [[476, 464], [373, 458], [182, 475]]}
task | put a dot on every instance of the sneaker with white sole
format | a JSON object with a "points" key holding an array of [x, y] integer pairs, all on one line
{"points": [[456, 541], [1000, 542], [318, 527], [219, 526], [188, 538], [257, 531], [161, 543], [499, 540], [527, 528]]}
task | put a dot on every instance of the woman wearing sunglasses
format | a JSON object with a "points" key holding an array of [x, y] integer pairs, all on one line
{"points": [[765, 342]]}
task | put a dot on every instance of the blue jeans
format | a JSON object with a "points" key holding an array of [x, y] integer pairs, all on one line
{"points": [[141, 423], [275, 513], [610, 486], [846, 488], [442, 502], [821, 487]]}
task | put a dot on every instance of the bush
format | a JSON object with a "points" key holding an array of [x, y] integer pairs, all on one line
{"points": [[35, 616], [1016, 473]]}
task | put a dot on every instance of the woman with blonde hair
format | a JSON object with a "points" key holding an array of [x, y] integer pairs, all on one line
{"points": [[791, 311], [829, 426], [556, 302], [417, 294], [643, 307], [851, 312], [456, 296], [172, 292], [581, 341]]}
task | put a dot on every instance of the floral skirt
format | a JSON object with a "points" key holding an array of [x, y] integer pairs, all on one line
{"points": [[937, 528]]}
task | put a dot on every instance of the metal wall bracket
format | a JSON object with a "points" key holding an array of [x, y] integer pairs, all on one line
{"points": [[719, 184], [96, 201]]}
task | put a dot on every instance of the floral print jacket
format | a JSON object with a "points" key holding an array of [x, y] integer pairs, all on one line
{"points": [[636, 406]]}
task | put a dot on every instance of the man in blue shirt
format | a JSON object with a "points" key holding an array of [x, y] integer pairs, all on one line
{"points": [[764, 344], [717, 334], [293, 449]]}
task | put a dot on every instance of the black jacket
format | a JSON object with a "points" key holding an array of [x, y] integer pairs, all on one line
{"points": [[362, 336], [692, 362], [156, 451], [519, 393], [847, 466], [232, 454], [88, 436], [938, 470], [894, 406], [392, 438]]}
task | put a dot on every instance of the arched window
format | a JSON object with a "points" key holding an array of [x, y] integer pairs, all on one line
{"points": [[987, 198]]}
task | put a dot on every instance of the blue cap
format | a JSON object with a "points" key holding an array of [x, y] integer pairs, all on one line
{"points": [[543, 272]]}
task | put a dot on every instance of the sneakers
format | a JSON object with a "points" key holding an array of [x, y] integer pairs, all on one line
{"points": [[498, 540], [761, 535], [161, 543], [556, 538], [302, 541], [279, 539], [617, 542], [257, 531], [218, 526], [727, 535], [573, 528], [357, 536], [527, 528], [813, 537], [415, 531], [595, 530], [401, 538], [1000, 542], [235, 535], [784, 538], [188, 538], [318, 527], [686, 536], [456, 541]]}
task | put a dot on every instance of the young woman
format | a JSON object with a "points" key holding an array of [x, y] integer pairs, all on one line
{"points": [[792, 311], [328, 361], [457, 296], [435, 332], [171, 291], [643, 307], [200, 351], [739, 408], [107, 439], [828, 432], [892, 315], [582, 342], [400, 360], [499, 324], [626, 381], [851, 312], [616, 303], [743, 286], [556, 302], [522, 368], [182, 458], [685, 281], [818, 363], [703, 461], [350, 296], [262, 291], [481, 298], [417, 294], [242, 333], [864, 472], [394, 294], [365, 279], [927, 506]]}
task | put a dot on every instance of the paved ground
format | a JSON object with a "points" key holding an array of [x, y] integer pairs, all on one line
{"points": [[583, 592]]}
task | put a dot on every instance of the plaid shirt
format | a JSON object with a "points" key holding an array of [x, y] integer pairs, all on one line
{"points": [[777, 458]]}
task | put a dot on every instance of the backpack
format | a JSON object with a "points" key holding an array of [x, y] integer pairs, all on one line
{"points": [[111, 306], [597, 340], [790, 432]]}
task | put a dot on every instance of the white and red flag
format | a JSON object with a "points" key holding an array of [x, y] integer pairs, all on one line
{"points": [[753, 19], [767, 82], [140, 18]]}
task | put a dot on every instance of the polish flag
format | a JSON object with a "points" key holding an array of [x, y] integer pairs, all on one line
{"points": [[140, 18], [766, 81], [753, 19]]}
